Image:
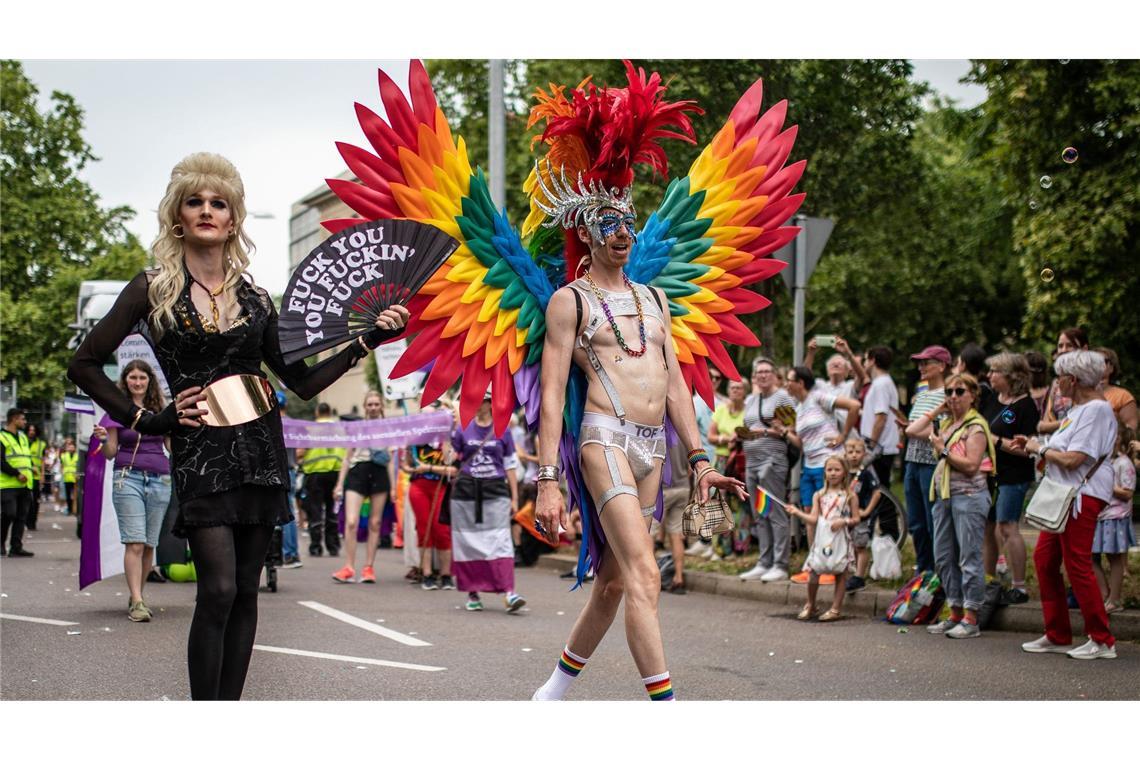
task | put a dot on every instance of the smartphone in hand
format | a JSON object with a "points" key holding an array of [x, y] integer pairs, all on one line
{"points": [[825, 341]]}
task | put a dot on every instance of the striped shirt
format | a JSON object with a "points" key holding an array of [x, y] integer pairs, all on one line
{"points": [[919, 450], [759, 412], [814, 426]]}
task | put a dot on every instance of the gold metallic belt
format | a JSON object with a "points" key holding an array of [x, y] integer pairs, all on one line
{"points": [[236, 400]]}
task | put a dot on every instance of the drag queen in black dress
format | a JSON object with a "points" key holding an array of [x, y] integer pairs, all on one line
{"points": [[207, 321]]}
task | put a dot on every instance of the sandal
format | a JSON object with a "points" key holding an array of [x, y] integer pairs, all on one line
{"points": [[830, 615], [677, 587], [1112, 607], [806, 613]]}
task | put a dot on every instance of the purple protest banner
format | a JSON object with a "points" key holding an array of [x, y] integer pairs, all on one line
{"points": [[432, 427]]}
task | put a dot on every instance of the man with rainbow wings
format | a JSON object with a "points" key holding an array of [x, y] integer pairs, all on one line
{"points": [[598, 330]]}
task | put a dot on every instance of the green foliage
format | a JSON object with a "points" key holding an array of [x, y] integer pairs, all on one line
{"points": [[53, 234], [1085, 224]]}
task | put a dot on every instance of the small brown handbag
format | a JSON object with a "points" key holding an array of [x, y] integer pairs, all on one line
{"points": [[708, 519]]}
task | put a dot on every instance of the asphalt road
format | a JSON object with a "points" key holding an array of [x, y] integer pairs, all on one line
{"points": [[403, 643]]}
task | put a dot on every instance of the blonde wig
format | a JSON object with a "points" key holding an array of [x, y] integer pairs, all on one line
{"points": [[194, 174]]}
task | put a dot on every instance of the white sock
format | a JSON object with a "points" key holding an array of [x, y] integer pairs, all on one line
{"points": [[568, 667]]}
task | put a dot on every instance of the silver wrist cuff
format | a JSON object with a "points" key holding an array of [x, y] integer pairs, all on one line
{"points": [[549, 472]]}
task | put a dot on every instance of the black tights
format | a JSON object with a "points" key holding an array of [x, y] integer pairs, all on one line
{"points": [[228, 560]]}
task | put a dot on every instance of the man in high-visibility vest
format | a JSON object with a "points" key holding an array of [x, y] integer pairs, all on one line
{"points": [[37, 447], [321, 468], [15, 483], [68, 467]]}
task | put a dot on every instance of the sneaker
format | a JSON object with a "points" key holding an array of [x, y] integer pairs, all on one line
{"points": [[429, 583], [696, 548], [1043, 645], [473, 603], [1091, 650], [344, 575], [801, 577], [943, 627], [318, 552], [754, 574], [155, 576], [446, 583], [775, 574], [513, 602], [708, 552], [368, 575], [572, 573], [855, 583], [1014, 596], [291, 563], [21, 552], [138, 613], [414, 575], [964, 630], [827, 579]]}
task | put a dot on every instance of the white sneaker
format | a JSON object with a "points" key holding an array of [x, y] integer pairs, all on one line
{"points": [[696, 548], [775, 574], [1044, 645], [754, 574], [1091, 650], [708, 553]]}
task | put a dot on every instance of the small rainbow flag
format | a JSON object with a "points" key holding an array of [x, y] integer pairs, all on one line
{"points": [[1065, 423], [764, 502]]}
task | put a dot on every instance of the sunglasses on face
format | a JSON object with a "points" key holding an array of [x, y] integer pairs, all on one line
{"points": [[957, 391], [609, 224]]}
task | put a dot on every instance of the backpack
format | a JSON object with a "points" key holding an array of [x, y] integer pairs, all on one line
{"points": [[918, 602]]}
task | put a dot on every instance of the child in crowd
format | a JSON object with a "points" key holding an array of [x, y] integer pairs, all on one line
{"points": [[865, 484], [1114, 534], [833, 516]]}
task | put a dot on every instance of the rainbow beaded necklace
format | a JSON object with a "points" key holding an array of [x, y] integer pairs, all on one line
{"points": [[610, 317]]}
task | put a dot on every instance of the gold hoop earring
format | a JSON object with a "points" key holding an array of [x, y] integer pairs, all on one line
{"points": [[179, 226]]}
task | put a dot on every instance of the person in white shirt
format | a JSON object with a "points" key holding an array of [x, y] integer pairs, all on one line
{"points": [[1074, 456], [845, 375], [877, 425]]}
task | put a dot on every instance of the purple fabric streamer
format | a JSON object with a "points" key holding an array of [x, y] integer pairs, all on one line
{"points": [[90, 549], [431, 427]]}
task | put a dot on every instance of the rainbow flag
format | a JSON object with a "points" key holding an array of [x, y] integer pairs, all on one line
{"points": [[764, 502]]}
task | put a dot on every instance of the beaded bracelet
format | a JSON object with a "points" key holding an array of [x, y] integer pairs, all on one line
{"points": [[697, 456]]}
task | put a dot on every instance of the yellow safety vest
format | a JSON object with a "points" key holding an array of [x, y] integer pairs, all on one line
{"points": [[37, 452], [322, 460], [68, 463], [17, 452]]}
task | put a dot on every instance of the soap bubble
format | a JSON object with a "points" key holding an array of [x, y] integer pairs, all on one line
{"points": [[1047, 274], [1069, 155], [1046, 182], [1032, 205]]}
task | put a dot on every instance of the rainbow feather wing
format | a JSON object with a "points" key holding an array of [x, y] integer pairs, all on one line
{"points": [[714, 232], [482, 314]]}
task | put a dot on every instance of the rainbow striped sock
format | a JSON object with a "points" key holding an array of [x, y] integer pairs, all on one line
{"points": [[571, 664], [568, 667], [660, 687]]}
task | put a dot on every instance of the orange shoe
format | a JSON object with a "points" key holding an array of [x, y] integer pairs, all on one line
{"points": [[368, 575], [803, 577], [827, 580], [344, 575]]}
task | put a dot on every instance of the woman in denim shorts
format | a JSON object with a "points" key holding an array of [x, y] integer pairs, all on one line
{"points": [[140, 489]]}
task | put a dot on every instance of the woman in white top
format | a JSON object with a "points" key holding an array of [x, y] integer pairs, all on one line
{"points": [[1083, 441]]}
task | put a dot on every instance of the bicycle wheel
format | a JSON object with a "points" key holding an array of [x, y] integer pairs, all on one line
{"points": [[891, 517]]}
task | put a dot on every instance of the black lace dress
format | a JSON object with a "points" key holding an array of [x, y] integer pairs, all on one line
{"points": [[222, 475]]}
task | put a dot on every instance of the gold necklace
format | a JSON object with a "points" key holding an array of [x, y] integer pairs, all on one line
{"points": [[214, 312]]}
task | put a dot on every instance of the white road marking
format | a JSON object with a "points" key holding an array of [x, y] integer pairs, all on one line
{"points": [[346, 658], [45, 621], [379, 630]]}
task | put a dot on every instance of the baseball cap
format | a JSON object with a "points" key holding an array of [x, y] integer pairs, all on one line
{"points": [[937, 353]]}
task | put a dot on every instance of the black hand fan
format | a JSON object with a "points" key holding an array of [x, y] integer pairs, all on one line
{"points": [[340, 288]]}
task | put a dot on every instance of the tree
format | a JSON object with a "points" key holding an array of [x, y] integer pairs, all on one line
{"points": [[1083, 221], [53, 234]]}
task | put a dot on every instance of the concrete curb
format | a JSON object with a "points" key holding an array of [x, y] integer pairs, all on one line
{"points": [[1025, 618]]}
